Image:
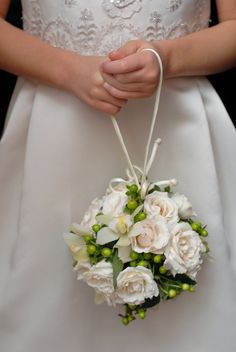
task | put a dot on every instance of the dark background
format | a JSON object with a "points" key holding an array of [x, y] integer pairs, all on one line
{"points": [[222, 82]]}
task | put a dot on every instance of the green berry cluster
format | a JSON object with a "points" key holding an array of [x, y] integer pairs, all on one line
{"points": [[132, 312], [96, 252]]}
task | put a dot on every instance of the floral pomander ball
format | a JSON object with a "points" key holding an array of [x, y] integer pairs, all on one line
{"points": [[138, 250]]}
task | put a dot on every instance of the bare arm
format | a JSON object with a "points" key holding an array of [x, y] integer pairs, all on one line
{"points": [[134, 74], [27, 56]]}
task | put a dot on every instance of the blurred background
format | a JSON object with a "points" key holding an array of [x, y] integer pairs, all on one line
{"points": [[222, 82]]}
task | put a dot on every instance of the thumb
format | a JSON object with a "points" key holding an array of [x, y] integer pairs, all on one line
{"points": [[127, 49]]}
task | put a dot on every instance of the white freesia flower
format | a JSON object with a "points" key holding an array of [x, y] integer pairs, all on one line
{"points": [[183, 253], [121, 224], [185, 209], [149, 236], [89, 218], [100, 277], [114, 203], [134, 285], [158, 204]]}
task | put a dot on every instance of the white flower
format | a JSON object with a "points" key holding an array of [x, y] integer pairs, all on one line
{"points": [[183, 253], [134, 285], [185, 208], [149, 236], [158, 204], [122, 8], [114, 203], [100, 277], [121, 224], [89, 218], [82, 267]]}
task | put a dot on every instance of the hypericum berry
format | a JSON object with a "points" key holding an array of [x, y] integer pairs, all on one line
{"points": [[204, 233], [132, 204], [147, 256], [141, 313], [133, 263], [142, 263], [196, 226], [162, 270], [130, 318], [133, 188], [157, 259], [141, 216], [91, 249], [96, 228], [191, 289], [134, 255], [132, 306], [88, 238], [172, 293], [185, 287], [106, 252], [125, 320]]}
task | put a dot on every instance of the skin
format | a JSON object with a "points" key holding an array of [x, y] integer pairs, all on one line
{"points": [[130, 73], [106, 83]]}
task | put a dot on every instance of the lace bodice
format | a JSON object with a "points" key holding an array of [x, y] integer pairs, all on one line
{"points": [[95, 27]]}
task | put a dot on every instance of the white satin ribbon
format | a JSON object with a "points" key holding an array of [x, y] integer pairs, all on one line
{"points": [[132, 175]]}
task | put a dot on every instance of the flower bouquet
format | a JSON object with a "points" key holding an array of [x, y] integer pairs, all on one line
{"points": [[138, 251], [139, 244]]}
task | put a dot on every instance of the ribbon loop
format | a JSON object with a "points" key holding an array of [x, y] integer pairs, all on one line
{"points": [[143, 184]]}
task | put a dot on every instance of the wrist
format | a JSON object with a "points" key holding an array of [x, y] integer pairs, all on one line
{"points": [[168, 53]]}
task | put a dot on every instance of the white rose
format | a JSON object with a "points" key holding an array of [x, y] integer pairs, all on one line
{"points": [[114, 203], [183, 253], [134, 285], [100, 277], [158, 204], [89, 218], [185, 208], [149, 236]]}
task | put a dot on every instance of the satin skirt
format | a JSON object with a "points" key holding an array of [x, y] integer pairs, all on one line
{"points": [[56, 155]]}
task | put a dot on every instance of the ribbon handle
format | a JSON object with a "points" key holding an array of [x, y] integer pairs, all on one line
{"points": [[147, 163]]}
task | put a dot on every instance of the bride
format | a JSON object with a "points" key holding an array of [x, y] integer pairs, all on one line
{"points": [[78, 63]]}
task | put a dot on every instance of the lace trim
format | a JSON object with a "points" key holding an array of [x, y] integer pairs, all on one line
{"points": [[88, 38]]}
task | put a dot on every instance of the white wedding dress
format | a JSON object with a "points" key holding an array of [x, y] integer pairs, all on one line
{"points": [[57, 154]]}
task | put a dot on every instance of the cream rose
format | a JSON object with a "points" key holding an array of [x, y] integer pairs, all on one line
{"points": [[184, 251], [89, 218], [134, 285], [158, 204], [149, 236], [100, 277], [114, 203], [185, 209]]}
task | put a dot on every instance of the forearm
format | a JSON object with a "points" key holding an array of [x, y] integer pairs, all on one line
{"points": [[25, 55], [202, 53]]}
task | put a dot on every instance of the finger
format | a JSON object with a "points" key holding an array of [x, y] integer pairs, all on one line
{"points": [[129, 48], [106, 107], [123, 94], [104, 95], [128, 87], [128, 64]]}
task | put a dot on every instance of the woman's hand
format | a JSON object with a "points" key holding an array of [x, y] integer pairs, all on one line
{"points": [[131, 72], [85, 80]]}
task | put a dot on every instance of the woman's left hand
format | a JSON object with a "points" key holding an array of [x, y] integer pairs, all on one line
{"points": [[131, 73]]}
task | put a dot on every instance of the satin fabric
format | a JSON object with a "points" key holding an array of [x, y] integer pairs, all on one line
{"points": [[56, 155], [54, 161]]}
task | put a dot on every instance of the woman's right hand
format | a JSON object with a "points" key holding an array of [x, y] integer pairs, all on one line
{"points": [[83, 78]]}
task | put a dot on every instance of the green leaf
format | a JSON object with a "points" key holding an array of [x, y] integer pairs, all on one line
{"points": [[151, 302], [117, 267], [184, 279]]}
